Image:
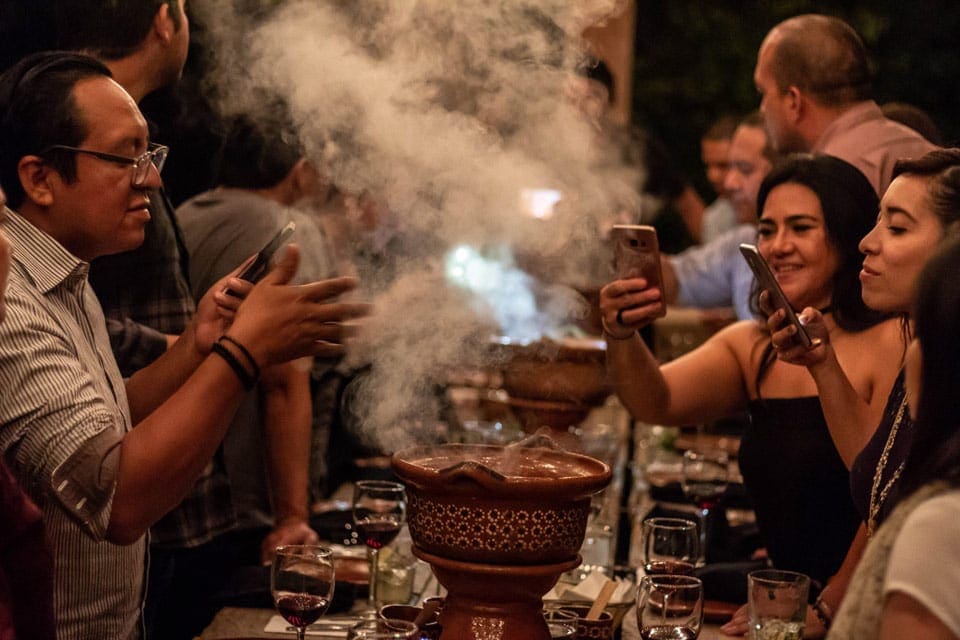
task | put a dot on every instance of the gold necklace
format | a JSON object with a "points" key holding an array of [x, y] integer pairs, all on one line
{"points": [[876, 501]]}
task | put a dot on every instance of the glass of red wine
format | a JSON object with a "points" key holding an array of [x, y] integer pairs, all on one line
{"points": [[705, 474], [669, 607], [379, 507], [670, 546], [301, 580]]}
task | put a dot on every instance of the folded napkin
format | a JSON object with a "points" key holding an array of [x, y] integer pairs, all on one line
{"points": [[590, 587], [277, 624]]}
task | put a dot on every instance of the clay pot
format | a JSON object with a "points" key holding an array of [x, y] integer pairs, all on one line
{"points": [[569, 371], [502, 505]]}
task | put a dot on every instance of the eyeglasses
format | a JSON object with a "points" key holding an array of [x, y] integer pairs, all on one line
{"points": [[155, 155]]}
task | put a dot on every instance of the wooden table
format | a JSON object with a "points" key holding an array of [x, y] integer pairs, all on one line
{"points": [[233, 623]]}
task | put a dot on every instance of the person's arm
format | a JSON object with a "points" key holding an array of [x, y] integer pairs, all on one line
{"points": [[134, 345], [922, 577], [690, 206], [672, 394], [162, 457], [671, 287], [852, 416], [905, 617], [288, 415], [828, 601]]}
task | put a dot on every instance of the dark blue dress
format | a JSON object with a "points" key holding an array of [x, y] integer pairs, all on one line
{"points": [[865, 464]]}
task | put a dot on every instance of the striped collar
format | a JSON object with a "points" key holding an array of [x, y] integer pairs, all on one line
{"points": [[45, 261]]}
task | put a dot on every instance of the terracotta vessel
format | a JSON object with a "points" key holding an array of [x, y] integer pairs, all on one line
{"points": [[499, 525], [512, 505], [570, 371]]}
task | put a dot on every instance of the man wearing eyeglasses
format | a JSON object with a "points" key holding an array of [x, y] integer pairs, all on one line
{"points": [[77, 169], [144, 43]]}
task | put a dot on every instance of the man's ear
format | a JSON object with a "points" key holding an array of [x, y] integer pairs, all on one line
{"points": [[37, 178], [794, 101], [163, 23], [306, 178]]}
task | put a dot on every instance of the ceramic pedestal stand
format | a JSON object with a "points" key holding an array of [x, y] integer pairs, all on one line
{"points": [[494, 602]]}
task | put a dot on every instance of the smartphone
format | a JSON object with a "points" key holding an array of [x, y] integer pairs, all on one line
{"points": [[636, 254], [255, 271], [769, 282]]}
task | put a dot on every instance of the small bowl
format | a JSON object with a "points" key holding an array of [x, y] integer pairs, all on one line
{"points": [[430, 630]]}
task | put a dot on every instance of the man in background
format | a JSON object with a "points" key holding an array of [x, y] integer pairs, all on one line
{"points": [[715, 274], [815, 87], [715, 154]]}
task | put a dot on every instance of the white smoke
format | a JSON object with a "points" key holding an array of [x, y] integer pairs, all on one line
{"points": [[446, 111]]}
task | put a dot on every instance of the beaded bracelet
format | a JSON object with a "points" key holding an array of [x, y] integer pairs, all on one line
{"points": [[247, 380], [246, 354]]}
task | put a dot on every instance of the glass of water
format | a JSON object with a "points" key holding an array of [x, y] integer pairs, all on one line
{"points": [[777, 604]]}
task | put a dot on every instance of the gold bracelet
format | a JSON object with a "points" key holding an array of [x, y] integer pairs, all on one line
{"points": [[822, 609]]}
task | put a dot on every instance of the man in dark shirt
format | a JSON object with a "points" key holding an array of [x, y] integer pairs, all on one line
{"points": [[145, 293]]}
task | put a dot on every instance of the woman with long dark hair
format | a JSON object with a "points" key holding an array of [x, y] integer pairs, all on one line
{"points": [[813, 211], [917, 212], [907, 582]]}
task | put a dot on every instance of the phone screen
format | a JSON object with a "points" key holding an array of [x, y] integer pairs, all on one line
{"points": [[255, 271], [769, 282]]}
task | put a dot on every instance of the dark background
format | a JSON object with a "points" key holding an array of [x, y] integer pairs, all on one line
{"points": [[694, 62], [695, 58]]}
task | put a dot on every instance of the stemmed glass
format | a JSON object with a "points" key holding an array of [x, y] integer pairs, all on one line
{"points": [[389, 629], [379, 507], [670, 546], [301, 580], [669, 607], [705, 474]]}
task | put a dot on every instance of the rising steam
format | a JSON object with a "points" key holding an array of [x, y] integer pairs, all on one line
{"points": [[446, 112]]}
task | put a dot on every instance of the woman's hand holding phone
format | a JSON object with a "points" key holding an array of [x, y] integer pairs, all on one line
{"points": [[629, 305], [783, 334], [635, 299]]}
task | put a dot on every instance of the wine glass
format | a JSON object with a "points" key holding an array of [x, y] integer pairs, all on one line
{"points": [[669, 607], [383, 629], [670, 546], [301, 580], [704, 481], [379, 507]]}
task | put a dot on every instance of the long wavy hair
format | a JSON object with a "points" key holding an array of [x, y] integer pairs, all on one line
{"points": [[935, 450], [850, 207]]}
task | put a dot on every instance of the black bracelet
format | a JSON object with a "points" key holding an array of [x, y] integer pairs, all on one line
{"points": [[246, 354], [248, 381]]}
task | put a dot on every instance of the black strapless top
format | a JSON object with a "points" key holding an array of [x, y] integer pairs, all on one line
{"points": [[799, 486]]}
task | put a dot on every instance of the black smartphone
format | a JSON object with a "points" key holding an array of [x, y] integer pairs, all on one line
{"points": [[261, 263], [769, 282], [636, 254]]}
